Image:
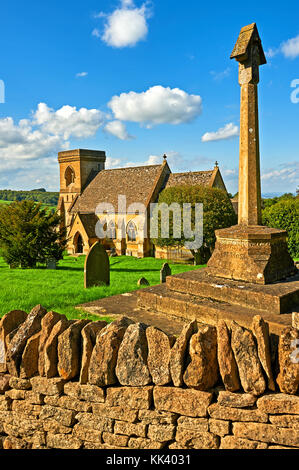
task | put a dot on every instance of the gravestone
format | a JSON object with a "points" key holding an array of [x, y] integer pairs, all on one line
{"points": [[96, 267], [142, 282], [165, 271], [51, 263]]}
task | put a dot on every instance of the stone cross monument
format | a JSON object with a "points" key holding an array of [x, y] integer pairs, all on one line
{"points": [[249, 251], [249, 53]]}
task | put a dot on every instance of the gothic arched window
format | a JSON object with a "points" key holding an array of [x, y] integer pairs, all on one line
{"points": [[111, 233], [131, 231], [69, 176]]}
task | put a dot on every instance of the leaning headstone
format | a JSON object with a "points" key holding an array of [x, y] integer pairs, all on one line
{"points": [[51, 263], [165, 271], [97, 267], [10, 322], [142, 282]]}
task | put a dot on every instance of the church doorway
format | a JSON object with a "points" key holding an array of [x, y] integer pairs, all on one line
{"points": [[79, 245]]}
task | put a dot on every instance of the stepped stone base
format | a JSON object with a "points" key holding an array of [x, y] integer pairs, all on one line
{"points": [[196, 294], [255, 254]]}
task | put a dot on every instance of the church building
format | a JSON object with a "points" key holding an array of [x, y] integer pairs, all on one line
{"points": [[85, 183]]}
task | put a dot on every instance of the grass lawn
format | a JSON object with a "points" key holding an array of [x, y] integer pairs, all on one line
{"points": [[62, 289]]}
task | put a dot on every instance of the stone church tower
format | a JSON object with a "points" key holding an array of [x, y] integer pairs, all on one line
{"points": [[77, 169]]}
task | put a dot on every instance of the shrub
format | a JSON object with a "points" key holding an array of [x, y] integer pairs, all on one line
{"points": [[285, 215], [29, 234], [218, 213]]}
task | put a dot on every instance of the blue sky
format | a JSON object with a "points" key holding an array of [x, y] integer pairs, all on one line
{"points": [[142, 78]]}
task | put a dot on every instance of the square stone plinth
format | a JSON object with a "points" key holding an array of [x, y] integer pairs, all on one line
{"points": [[254, 254]]}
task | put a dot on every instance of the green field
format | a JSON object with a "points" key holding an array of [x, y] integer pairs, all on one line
{"points": [[44, 206], [62, 289]]}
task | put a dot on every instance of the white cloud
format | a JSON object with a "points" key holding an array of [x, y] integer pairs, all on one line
{"points": [[82, 74], [46, 133], [227, 132], [68, 121], [126, 26], [290, 48], [157, 105], [96, 33], [118, 129]]}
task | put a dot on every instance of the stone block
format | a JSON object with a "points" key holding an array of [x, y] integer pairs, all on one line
{"points": [[62, 416], [63, 441], [267, 433], [279, 403], [92, 421], [134, 398], [195, 424], [130, 429], [202, 370], [115, 440], [159, 349], [157, 417], [219, 427], [187, 402], [115, 412], [217, 411], [46, 386], [141, 443], [104, 355], [69, 350], [131, 368], [178, 353], [161, 432], [236, 400], [232, 442]]}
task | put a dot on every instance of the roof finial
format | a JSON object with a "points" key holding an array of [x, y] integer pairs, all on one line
{"points": [[165, 156], [216, 164]]}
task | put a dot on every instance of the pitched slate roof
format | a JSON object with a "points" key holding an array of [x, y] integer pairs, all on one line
{"points": [[191, 178], [89, 222], [136, 183]]}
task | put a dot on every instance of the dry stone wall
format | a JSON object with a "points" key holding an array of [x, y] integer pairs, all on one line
{"points": [[92, 385]]}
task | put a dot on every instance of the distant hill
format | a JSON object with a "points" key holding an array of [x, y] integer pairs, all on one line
{"points": [[38, 195]]}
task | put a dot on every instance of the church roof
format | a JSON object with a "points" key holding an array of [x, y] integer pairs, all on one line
{"points": [[191, 178], [136, 183], [89, 222]]}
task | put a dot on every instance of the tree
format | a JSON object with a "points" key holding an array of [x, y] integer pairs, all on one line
{"points": [[29, 234], [285, 215], [218, 213]]}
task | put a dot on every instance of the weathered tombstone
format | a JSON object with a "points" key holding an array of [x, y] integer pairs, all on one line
{"points": [[51, 263], [97, 267], [142, 282], [165, 271]]}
